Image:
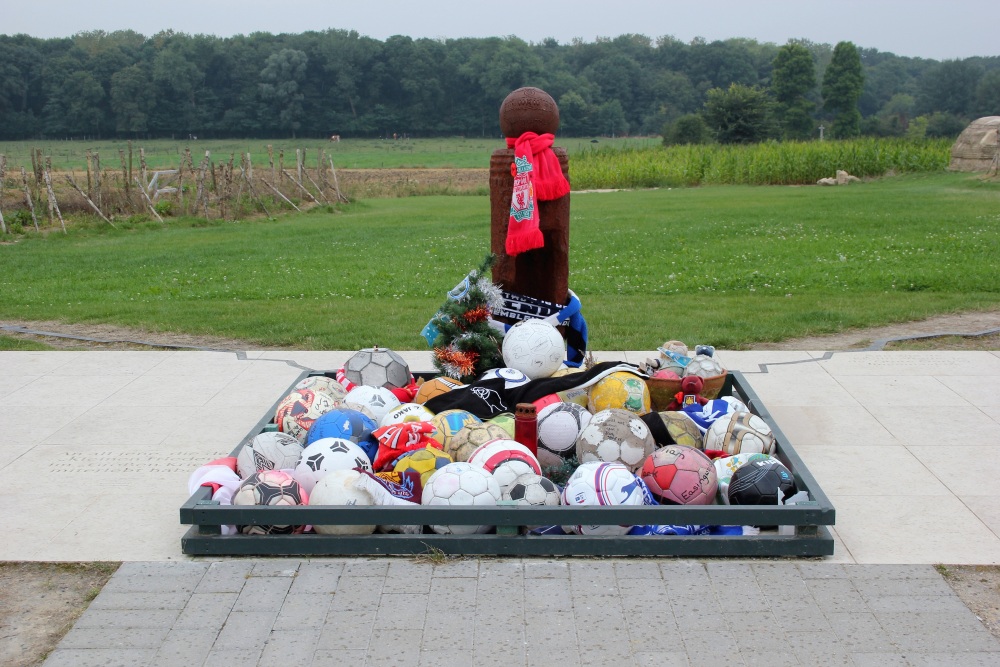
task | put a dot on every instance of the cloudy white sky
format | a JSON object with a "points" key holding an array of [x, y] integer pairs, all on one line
{"points": [[938, 29]]}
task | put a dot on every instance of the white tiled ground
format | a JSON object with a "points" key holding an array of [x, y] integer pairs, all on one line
{"points": [[96, 447]]}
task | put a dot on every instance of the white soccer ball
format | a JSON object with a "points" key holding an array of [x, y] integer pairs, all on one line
{"points": [[337, 488], [327, 454], [377, 367], [559, 425], [740, 433], [599, 483], [532, 489], [268, 451], [703, 366], [461, 484], [406, 412], [378, 400], [512, 377], [616, 436], [491, 454], [534, 347]]}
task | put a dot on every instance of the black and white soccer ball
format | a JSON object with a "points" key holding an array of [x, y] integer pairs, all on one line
{"points": [[532, 489], [377, 367], [766, 482]]}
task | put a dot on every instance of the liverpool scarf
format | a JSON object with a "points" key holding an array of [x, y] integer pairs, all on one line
{"points": [[537, 176]]}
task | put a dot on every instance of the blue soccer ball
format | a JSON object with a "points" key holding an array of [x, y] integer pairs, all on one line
{"points": [[347, 424]]}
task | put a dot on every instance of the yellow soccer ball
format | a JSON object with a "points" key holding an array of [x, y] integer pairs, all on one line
{"points": [[620, 389], [425, 461]]}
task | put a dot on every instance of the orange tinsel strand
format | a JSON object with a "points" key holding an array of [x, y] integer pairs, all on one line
{"points": [[480, 314]]}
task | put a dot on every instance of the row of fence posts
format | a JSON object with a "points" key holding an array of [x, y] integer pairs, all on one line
{"points": [[212, 182]]}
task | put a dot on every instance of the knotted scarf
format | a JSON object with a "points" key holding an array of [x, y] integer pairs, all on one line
{"points": [[537, 176]]}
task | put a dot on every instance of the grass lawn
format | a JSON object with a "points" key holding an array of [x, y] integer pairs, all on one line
{"points": [[445, 152], [727, 265]]}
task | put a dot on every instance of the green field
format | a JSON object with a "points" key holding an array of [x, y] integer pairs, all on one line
{"points": [[728, 265], [451, 153]]}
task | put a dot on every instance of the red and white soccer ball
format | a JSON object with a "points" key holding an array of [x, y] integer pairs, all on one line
{"points": [[534, 347], [600, 483], [273, 488], [311, 399], [328, 454], [460, 484], [680, 475], [505, 460]]}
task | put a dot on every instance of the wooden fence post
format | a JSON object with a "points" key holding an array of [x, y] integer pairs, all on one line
{"points": [[53, 204], [3, 173], [70, 180], [27, 197]]}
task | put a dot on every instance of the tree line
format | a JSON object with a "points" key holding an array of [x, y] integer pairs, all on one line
{"points": [[175, 85]]}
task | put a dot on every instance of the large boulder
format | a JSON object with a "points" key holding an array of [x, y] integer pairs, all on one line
{"points": [[977, 147]]}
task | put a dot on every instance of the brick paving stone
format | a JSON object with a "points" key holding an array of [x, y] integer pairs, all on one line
{"points": [[408, 577], [456, 567], [546, 595], [879, 571], [836, 595], [317, 577], [928, 603], [956, 659], [152, 584], [347, 630], [246, 630], [442, 657], [185, 647], [872, 588], [305, 610], [103, 657], [127, 618], [401, 611], [394, 647], [290, 647], [682, 570], [860, 632], [822, 570], [883, 659], [546, 656], [950, 642], [452, 633], [366, 567], [704, 647], [641, 570], [106, 600], [263, 594], [206, 610], [160, 569], [114, 638], [753, 658], [490, 568], [232, 656], [328, 657], [546, 569], [801, 615], [274, 567], [666, 659], [591, 570], [225, 577], [357, 594]]}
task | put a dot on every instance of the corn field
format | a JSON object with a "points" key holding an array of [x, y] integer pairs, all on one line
{"points": [[772, 163]]}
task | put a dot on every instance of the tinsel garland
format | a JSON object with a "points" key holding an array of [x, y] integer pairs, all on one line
{"points": [[467, 345]]}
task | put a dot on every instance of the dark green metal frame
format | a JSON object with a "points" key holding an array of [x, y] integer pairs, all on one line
{"points": [[802, 529]]}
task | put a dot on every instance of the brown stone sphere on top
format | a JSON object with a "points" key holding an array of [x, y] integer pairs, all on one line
{"points": [[528, 110]]}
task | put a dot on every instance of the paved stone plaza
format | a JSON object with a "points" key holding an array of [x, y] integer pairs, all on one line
{"points": [[98, 446]]}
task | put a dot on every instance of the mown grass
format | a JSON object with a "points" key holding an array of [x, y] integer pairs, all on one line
{"points": [[729, 265], [9, 343], [785, 163], [446, 152]]}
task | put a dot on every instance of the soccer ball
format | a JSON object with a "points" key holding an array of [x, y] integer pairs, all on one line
{"points": [[727, 465], [680, 475], [337, 488], [270, 487], [377, 367], [328, 454], [599, 483], [761, 483], [348, 424], [615, 435], [740, 432], [323, 383], [449, 422], [703, 366], [298, 410], [559, 426], [425, 462], [532, 489], [459, 484], [512, 376], [268, 451], [435, 387], [620, 389], [407, 412], [377, 399], [469, 438], [506, 460], [534, 347], [681, 429], [504, 420]]}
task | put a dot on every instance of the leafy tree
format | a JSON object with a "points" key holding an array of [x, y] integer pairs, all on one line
{"points": [[944, 125], [280, 83], [988, 94], [949, 86], [131, 100], [793, 79], [842, 85], [740, 114], [688, 129]]}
